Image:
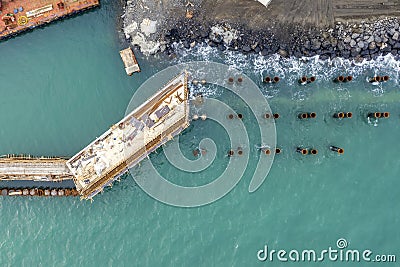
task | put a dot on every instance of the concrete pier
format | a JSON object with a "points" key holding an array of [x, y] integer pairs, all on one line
{"points": [[34, 169], [132, 139], [125, 144]]}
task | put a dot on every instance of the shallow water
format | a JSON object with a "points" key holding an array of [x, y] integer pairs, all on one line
{"points": [[64, 84]]}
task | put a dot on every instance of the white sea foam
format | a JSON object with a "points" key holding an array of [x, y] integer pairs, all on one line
{"points": [[290, 69]]}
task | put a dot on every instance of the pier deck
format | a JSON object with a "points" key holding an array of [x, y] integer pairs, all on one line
{"points": [[20, 15], [34, 169], [132, 139]]}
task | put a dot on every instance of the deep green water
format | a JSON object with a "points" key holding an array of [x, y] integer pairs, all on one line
{"points": [[63, 85]]}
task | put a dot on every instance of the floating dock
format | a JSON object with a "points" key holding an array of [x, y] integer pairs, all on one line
{"points": [[125, 144], [27, 168], [130, 62], [18, 16]]}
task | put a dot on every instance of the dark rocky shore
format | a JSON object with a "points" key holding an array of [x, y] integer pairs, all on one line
{"points": [[250, 27], [366, 40]]}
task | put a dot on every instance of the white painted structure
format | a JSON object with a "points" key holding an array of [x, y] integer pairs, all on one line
{"points": [[265, 2]]}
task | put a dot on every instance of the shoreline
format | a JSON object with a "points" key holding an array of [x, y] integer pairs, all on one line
{"points": [[192, 25], [364, 41]]}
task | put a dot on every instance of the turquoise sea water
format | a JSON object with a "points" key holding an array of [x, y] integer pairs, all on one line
{"points": [[63, 85]]}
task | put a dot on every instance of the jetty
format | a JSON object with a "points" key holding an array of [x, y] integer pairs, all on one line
{"points": [[130, 62], [125, 144], [163, 116], [18, 16]]}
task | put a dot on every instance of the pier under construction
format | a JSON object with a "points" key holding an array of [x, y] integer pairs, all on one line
{"points": [[132, 139], [27, 168], [125, 144]]}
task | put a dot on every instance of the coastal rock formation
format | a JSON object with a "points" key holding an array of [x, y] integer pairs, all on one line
{"points": [[140, 22], [250, 27]]}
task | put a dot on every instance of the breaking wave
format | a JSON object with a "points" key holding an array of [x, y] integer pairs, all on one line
{"points": [[291, 69]]}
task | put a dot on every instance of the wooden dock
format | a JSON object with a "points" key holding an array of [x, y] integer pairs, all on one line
{"points": [[18, 16], [132, 139], [130, 62]]}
